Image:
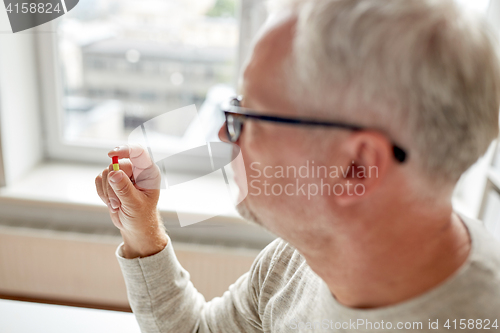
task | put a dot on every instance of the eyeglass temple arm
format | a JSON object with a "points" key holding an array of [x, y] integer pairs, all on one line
{"points": [[399, 153]]}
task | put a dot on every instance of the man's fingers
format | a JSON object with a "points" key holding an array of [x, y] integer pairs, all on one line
{"points": [[115, 218], [105, 184], [135, 153], [146, 174], [114, 201], [123, 188], [125, 165], [99, 187]]}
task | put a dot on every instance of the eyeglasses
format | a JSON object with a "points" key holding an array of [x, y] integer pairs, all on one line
{"points": [[237, 115]]}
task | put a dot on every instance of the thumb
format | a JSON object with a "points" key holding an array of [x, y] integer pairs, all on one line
{"points": [[122, 187]]}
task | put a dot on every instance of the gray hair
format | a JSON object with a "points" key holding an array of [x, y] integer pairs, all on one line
{"points": [[422, 71]]}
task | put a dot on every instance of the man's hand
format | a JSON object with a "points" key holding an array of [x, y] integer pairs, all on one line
{"points": [[131, 195]]}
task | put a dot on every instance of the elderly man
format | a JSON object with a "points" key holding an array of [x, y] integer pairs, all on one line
{"points": [[407, 88]]}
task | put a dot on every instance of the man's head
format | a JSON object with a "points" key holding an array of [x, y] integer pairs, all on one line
{"points": [[418, 73]]}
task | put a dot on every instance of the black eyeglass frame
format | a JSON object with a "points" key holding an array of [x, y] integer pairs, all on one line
{"points": [[233, 134]]}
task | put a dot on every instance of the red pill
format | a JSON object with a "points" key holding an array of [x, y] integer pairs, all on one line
{"points": [[116, 166]]}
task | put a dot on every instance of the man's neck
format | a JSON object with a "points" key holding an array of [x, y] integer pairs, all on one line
{"points": [[384, 262]]}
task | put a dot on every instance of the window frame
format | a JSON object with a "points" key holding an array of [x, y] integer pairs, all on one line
{"points": [[51, 93], [251, 14], [2, 170]]}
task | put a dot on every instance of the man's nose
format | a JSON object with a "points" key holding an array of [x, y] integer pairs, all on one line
{"points": [[223, 134]]}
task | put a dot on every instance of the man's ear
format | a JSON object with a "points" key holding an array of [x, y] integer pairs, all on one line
{"points": [[367, 159]]}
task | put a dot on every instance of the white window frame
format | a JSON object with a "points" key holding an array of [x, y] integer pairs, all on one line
{"points": [[51, 93], [2, 172]]}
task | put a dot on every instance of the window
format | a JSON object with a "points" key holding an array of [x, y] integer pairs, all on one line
{"points": [[112, 50], [118, 63], [129, 61]]}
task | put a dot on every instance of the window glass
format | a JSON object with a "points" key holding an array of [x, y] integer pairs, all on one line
{"points": [[126, 61]]}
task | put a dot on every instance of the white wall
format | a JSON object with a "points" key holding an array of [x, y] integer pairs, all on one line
{"points": [[469, 192], [494, 14], [19, 103]]}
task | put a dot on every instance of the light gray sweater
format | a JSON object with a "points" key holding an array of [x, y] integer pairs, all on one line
{"points": [[281, 293]]}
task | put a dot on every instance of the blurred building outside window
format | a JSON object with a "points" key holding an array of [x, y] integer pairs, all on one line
{"points": [[124, 62]]}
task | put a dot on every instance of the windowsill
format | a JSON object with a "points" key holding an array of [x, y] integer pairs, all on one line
{"points": [[62, 183], [62, 196], [69, 183]]}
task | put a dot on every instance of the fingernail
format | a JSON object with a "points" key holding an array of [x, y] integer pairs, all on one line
{"points": [[116, 177], [114, 203], [116, 148]]}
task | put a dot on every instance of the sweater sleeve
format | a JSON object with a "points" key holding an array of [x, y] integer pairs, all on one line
{"points": [[163, 298]]}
